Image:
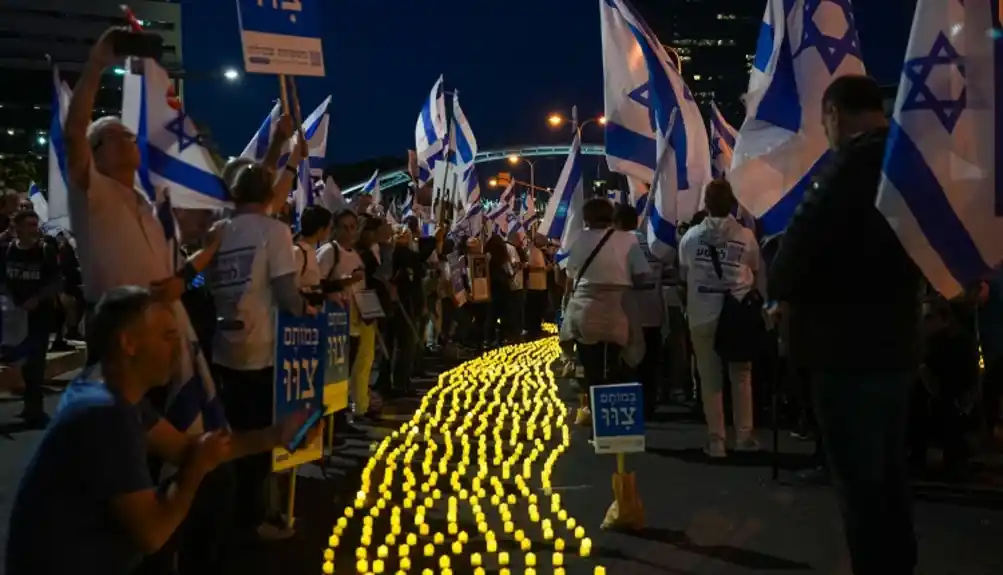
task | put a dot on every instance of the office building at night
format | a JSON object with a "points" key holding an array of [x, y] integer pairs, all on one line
{"points": [[33, 31], [715, 42]]}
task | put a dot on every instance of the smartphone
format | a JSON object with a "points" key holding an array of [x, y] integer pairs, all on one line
{"points": [[311, 421], [137, 44]]}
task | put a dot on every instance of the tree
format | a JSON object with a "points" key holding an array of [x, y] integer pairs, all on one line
{"points": [[17, 173]]}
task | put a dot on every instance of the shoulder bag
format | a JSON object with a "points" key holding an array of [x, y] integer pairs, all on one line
{"points": [[741, 330]]}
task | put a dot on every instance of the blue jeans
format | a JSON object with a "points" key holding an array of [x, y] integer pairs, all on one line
{"points": [[862, 416]]}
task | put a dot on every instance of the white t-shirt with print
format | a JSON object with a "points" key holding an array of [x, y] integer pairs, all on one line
{"points": [[616, 264], [739, 254], [254, 250]]}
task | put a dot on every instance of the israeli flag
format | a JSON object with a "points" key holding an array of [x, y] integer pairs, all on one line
{"points": [[940, 190], [803, 45], [315, 128], [331, 197], [170, 149], [506, 203], [38, 203], [722, 143], [632, 129], [470, 190], [471, 222], [430, 132], [564, 219], [465, 145], [58, 214], [257, 148], [638, 193], [372, 188], [407, 209]]}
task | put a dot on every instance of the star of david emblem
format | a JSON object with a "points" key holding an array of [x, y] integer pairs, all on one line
{"points": [[642, 95], [921, 97], [177, 128], [832, 49]]}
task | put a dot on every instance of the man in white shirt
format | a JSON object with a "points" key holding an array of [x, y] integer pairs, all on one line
{"points": [[705, 289]]}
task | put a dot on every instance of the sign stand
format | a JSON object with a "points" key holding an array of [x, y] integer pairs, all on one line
{"points": [[618, 425]]}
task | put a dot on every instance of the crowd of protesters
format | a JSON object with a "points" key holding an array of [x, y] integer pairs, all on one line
{"points": [[154, 468]]}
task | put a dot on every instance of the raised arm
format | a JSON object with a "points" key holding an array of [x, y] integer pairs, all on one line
{"points": [[78, 117]]}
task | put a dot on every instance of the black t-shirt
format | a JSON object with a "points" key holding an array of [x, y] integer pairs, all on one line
{"points": [[25, 271], [93, 451]]}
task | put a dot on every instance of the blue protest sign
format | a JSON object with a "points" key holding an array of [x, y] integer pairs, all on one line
{"points": [[300, 361], [618, 418], [337, 370], [282, 36]]}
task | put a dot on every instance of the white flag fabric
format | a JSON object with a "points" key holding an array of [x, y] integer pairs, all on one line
{"points": [[564, 219], [722, 143], [803, 45], [638, 193], [940, 189], [632, 131], [58, 206], [171, 152]]}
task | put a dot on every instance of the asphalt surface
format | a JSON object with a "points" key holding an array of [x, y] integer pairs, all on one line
{"points": [[702, 517]]}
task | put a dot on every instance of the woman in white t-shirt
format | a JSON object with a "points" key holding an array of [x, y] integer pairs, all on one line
{"points": [[252, 273], [340, 265], [598, 314], [740, 264], [315, 227]]}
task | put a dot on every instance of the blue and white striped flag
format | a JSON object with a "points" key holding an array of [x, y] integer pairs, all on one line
{"points": [[430, 133], [38, 203], [331, 196], [722, 143], [803, 45], [564, 219], [941, 190], [257, 148], [632, 129], [462, 136], [372, 188], [470, 224], [679, 180], [470, 189], [407, 209], [58, 203], [170, 147], [638, 193]]}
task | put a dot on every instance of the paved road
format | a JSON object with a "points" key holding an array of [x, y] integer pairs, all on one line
{"points": [[702, 517]]}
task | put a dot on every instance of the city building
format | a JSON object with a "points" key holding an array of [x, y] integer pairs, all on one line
{"points": [[715, 43], [35, 32]]}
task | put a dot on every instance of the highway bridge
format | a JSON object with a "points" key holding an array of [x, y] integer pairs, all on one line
{"points": [[398, 177]]}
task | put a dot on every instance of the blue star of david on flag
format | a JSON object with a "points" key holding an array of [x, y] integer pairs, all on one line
{"points": [[922, 96], [832, 49], [642, 95], [176, 127]]}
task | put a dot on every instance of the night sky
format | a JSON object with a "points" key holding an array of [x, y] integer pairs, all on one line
{"points": [[512, 63]]}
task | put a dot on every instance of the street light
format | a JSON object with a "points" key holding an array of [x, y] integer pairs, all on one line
{"points": [[493, 183], [514, 159], [231, 75], [555, 120]]}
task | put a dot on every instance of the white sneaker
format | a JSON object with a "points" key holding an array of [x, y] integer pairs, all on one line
{"points": [[749, 444], [715, 448], [271, 532]]}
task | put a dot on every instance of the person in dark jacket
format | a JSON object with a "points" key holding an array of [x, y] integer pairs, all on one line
{"points": [[854, 300]]}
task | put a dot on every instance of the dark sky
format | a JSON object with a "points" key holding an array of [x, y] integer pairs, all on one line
{"points": [[512, 61]]}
